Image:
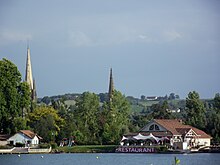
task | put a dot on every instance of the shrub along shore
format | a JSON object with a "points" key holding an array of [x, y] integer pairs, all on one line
{"points": [[86, 149], [99, 149]]}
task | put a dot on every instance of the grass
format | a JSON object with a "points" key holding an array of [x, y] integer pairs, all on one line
{"points": [[100, 149], [6, 147], [136, 108], [70, 102], [87, 149], [148, 103]]}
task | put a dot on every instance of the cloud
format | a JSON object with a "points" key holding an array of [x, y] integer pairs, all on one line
{"points": [[119, 35], [78, 39], [101, 38], [7, 37], [146, 38], [142, 36], [172, 35]]}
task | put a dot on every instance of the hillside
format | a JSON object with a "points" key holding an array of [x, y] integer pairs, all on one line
{"points": [[137, 105]]}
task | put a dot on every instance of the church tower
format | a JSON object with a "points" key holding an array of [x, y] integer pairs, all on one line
{"points": [[34, 92], [29, 76], [28, 73], [111, 87]]}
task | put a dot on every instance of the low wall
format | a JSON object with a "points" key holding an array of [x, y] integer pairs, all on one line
{"points": [[39, 150], [3, 143], [6, 150]]}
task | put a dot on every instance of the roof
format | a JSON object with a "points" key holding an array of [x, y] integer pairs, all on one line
{"points": [[158, 134], [200, 132], [4, 137], [29, 134], [183, 131], [177, 128]]}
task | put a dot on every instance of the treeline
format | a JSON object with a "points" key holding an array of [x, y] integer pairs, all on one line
{"points": [[88, 121], [202, 114], [172, 96], [92, 119]]}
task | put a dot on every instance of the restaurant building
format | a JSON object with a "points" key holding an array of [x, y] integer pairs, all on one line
{"points": [[170, 132]]}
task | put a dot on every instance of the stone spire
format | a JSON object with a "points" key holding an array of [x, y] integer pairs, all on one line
{"points": [[34, 91], [111, 86], [28, 74]]}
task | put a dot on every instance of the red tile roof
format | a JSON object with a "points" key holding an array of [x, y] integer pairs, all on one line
{"points": [[201, 133], [177, 128], [183, 131], [30, 134]]}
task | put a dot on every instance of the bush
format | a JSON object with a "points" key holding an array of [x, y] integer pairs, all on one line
{"points": [[19, 145], [162, 149], [53, 145], [5, 147], [44, 145]]}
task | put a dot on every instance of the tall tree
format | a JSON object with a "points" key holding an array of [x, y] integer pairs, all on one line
{"points": [[195, 111], [172, 96], [116, 112], [86, 118], [159, 111], [14, 97], [213, 120], [46, 122], [24, 97], [213, 125], [217, 102]]}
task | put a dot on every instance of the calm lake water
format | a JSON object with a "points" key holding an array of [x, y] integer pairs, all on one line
{"points": [[109, 159]]}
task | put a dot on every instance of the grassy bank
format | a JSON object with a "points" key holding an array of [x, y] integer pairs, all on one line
{"points": [[87, 149], [99, 149]]}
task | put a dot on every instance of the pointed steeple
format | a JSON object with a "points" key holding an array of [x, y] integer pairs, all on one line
{"points": [[111, 86], [34, 91], [28, 73]]}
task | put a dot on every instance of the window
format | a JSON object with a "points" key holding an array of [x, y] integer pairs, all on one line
{"points": [[151, 127], [154, 127]]}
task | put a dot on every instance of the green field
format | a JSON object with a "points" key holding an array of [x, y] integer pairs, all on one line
{"points": [[70, 102], [148, 103]]}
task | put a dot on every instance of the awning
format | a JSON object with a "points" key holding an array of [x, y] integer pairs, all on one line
{"points": [[142, 137], [124, 138]]}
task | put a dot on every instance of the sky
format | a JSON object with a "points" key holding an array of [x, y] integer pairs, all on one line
{"points": [[154, 47]]}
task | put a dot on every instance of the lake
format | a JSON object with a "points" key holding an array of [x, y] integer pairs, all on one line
{"points": [[109, 159]]}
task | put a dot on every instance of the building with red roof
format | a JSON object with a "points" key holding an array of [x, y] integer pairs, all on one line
{"points": [[26, 137], [172, 131]]}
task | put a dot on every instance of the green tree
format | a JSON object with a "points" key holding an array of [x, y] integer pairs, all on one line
{"points": [[213, 125], [172, 96], [46, 122], [116, 113], [24, 97], [217, 102], [86, 118], [159, 111], [213, 120], [66, 113], [195, 111], [139, 121], [14, 97]]}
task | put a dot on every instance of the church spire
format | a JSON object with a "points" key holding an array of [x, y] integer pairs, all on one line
{"points": [[111, 87], [34, 91], [28, 73]]}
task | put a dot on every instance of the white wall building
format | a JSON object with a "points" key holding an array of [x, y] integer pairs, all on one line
{"points": [[26, 137], [171, 131]]}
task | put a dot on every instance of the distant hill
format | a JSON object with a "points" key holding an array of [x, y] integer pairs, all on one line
{"points": [[138, 105]]}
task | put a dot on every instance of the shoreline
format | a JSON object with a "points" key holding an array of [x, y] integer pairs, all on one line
{"points": [[104, 149]]}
